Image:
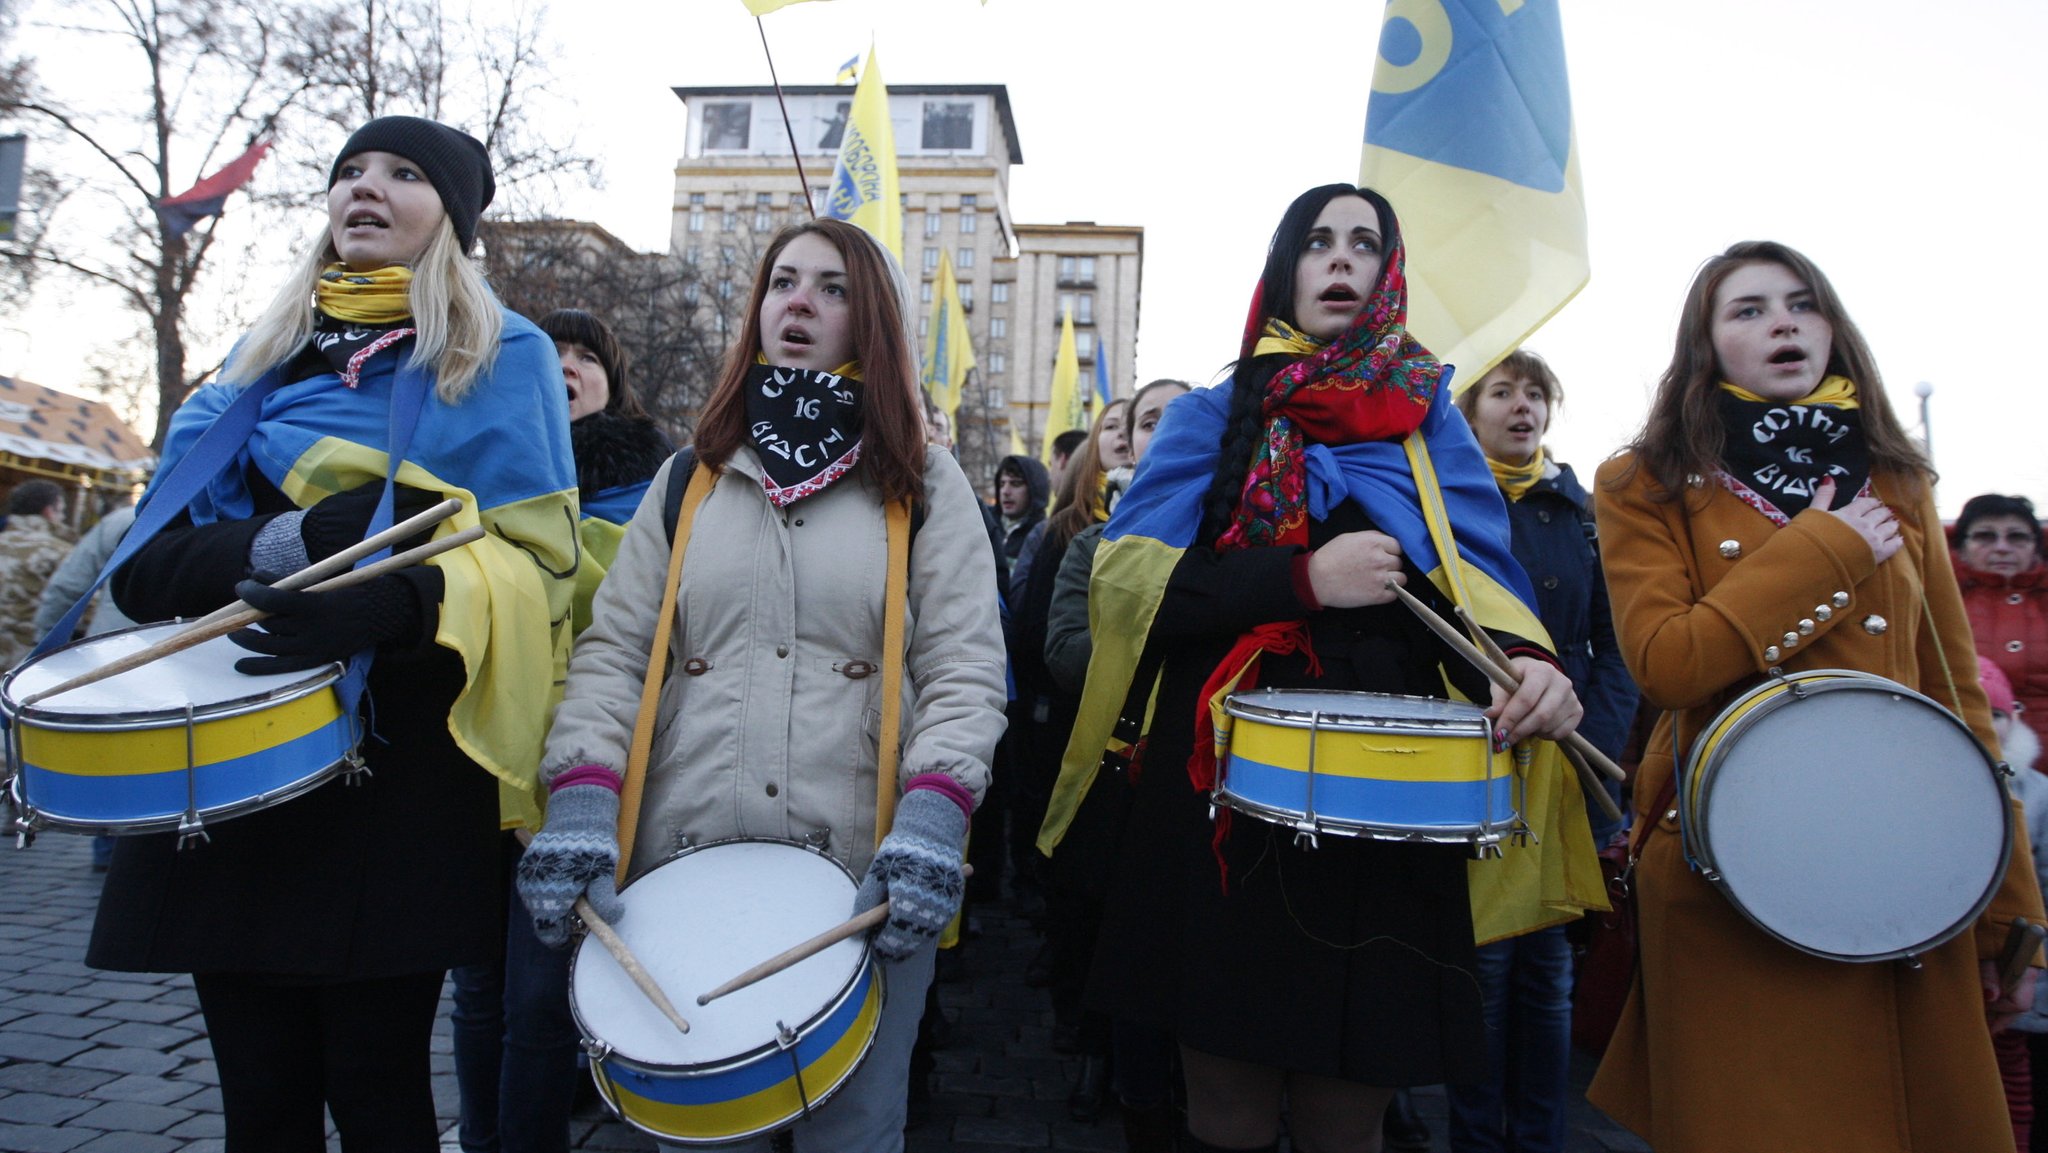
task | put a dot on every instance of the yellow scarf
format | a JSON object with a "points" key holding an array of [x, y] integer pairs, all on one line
{"points": [[380, 296], [1835, 392], [1280, 336], [850, 370], [1517, 479]]}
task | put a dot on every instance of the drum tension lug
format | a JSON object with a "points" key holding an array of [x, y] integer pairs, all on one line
{"points": [[785, 1040], [358, 769], [1305, 837], [598, 1051], [1911, 961], [191, 829]]}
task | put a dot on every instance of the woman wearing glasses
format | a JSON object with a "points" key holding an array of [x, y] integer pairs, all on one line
{"points": [[2005, 589]]}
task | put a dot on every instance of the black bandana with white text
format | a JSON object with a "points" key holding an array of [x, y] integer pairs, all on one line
{"points": [[1774, 455], [805, 426]]}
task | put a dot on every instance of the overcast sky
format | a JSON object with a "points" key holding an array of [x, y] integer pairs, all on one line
{"points": [[1900, 144]]}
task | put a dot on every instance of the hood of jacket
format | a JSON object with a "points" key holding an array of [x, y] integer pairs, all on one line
{"points": [[1036, 479], [613, 450]]}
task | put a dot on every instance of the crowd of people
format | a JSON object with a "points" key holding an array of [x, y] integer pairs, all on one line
{"points": [[806, 627]]}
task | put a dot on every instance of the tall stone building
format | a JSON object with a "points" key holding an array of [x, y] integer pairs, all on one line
{"points": [[955, 145]]}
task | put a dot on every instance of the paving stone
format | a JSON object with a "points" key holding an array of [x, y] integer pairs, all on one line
{"points": [[210, 1124], [40, 1108], [54, 1003], [10, 1013], [145, 1036], [118, 991], [198, 1048], [133, 1116], [17, 1046], [203, 1072], [206, 1145], [31, 1077], [207, 1100], [131, 1143], [147, 1061], [995, 1131], [146, 1090], [157, 1012], [41, 982], [42, 1138], [59, 1025]]}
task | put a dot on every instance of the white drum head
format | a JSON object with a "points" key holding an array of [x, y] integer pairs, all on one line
{"points": [[1858, 823], [202, 676], [696, 921]]}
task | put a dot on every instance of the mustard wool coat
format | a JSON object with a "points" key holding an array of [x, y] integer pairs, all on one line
{"points": [[1730, 1040]]}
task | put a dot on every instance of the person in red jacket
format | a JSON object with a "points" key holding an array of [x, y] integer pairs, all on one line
{"points": [[2005, 589]]}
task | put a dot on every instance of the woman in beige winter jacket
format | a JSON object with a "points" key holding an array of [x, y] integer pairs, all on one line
{"points": [[770, 715]]}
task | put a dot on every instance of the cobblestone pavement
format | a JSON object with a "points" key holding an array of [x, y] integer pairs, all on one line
{"points": [[96, 1062]]}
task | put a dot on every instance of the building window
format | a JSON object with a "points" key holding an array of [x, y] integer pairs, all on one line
{"points": [[947, 125], [999, 292], [725, 127], [727, 255], [924, 324], [725, 290], [924, 292], [1084, 345], [728, 220], [998, 328], [1087, 270], [763, 211], [835, 128], [696, 212], [931, 224], [1062, 307], [690, 292], [964, 258], [1084, 308], [817, 198], [692, 256], [1066, 270], [997, 362], [931, 260], [968, 217], [967, 297]]}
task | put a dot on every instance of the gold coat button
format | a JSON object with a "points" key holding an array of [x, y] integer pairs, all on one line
{"points": [[1731, 549], [1771, 655], [1840, 600], [1823, 612], [1875, 625], [1806, 627]]}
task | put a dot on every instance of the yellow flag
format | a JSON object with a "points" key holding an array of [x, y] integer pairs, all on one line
{"points": [[864, 190], [764, 7], [1469, 133], [1065, 411], [948, 349]]}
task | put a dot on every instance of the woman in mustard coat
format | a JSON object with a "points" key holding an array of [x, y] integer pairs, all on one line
{"points": [[1729, 554]]}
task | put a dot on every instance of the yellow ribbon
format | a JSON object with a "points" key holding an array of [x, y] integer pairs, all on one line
{"points": [[1280, 336], [850, 370], [380, 296], [1835, 392], [1517, 479]]}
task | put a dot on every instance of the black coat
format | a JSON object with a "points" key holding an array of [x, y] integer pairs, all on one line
{"points": [[395, 874]]}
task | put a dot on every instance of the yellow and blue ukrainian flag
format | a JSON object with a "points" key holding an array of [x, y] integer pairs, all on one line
{"points": [[1469, 133], [949, 350], [1414, 490], [864, 190], [1064, 408]]}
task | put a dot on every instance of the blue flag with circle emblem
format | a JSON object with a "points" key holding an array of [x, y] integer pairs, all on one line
{"points": [[1469, 133]]}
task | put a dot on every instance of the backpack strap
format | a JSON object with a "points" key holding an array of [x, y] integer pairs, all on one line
{"points": [[678, 480]]}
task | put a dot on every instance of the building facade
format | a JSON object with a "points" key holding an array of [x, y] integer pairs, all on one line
{"points": [[736, 184]]}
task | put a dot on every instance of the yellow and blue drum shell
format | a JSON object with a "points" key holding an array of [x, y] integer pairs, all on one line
{"points": [[1380, 761], [113, 756]]}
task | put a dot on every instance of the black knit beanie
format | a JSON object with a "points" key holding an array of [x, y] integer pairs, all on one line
{"points": [[455, 162]]}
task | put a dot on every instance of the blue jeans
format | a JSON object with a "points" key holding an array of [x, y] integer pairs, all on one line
{"points": [[1527, 982], [515, 1041]]}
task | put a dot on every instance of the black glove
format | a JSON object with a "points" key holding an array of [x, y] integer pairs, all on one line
{"points": [[343, 519], [307, 629]]}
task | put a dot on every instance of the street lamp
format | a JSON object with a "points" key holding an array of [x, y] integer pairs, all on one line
{"points": [[1924, 390]]}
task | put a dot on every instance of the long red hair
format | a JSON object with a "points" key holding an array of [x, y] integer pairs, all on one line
{"points": [[892, 416]]}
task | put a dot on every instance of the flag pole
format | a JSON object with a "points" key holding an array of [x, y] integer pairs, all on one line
{"points": [[786, 125]]}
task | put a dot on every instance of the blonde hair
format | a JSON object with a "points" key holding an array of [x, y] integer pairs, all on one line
{"points": [[458, 319]]}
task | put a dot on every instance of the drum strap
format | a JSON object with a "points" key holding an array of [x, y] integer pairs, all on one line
{"points": [[895, 596], [701, 482]]}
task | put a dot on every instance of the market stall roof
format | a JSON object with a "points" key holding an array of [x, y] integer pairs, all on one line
{"points": [[42, 424]]}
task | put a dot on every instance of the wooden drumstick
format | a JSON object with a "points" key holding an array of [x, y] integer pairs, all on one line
{"points": [[340, 562], [2020, 944], [1499, 674], [616, 946], [219, 626], [1589, 781], [857, 924]]}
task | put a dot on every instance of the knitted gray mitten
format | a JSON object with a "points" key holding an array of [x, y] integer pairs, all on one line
{"points": [[917, 870], [575, 855]]}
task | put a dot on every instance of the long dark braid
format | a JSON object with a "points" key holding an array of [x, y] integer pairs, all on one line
{"points": [[1246, 423]]}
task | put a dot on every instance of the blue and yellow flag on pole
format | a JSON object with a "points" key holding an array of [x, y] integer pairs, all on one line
{"points": [[864, 190], [1469, 133], [1064, 411], [1102, 389], [948, 350]]}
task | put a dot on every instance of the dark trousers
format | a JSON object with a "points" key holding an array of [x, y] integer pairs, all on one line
{"points": [[360, 1048], [515, 1040]]}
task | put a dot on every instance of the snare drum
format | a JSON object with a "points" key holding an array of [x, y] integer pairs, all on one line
{"points": [[755, 1059], [1846, 815], [177, 742], [1364, 765]]}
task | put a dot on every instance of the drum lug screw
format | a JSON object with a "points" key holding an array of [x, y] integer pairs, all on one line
{"points": [[357, 770], [1911, 961], [1305, 837], [597, 1050], [192, 830], [2004, 769]]}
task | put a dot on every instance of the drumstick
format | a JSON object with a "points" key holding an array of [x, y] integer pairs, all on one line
{"points": [[2020, 944], [322, 569], [616, 946], [1589, 782], [1500, 675], [858, 923], [218, 626]]}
